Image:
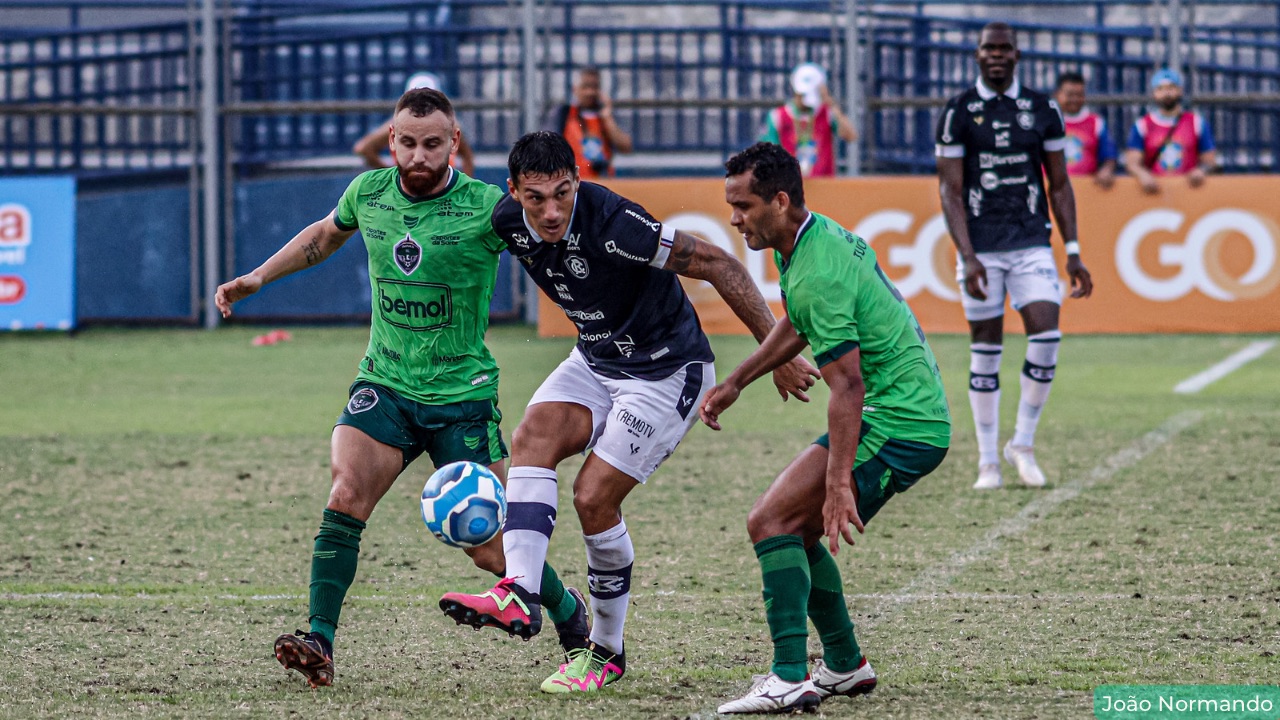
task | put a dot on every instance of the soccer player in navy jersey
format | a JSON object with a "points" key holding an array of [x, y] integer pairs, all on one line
{"points": [[997, 142], [629, 390]]}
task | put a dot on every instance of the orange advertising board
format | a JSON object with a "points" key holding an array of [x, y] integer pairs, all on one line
{"points": [[1202, 260]]}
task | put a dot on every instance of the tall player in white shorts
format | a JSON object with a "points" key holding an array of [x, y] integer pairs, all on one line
{"points": [[997, 142]]}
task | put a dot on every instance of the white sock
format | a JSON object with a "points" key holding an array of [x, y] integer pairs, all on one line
{"points": [[1037, 379], [532, 498], [609, 560], [984, 399]]}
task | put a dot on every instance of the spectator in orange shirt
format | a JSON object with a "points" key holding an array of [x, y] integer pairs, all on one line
{"points": [[588, 124]]}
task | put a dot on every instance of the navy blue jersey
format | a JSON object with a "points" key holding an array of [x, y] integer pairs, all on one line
{"points": [[1003, 138], [633, 318]]}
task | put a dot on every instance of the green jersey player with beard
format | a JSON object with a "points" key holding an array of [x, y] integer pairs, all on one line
{"points": [[427, 383]]}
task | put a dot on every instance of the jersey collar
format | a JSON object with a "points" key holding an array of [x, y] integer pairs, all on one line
{"points": [[572, 214], [987, 93], [448, 185], [809, 221], [1084, 113]]}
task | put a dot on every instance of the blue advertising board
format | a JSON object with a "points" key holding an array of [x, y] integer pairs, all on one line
{"points": [[37, 253]]}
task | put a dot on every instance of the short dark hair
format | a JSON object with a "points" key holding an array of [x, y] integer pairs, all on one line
{"points": [[540, 153], [772, 169], [1067, 78], [998, 26], [421, 102]]}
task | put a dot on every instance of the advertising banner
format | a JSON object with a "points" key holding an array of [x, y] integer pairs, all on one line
{"points": [[1184, 260], [37, 253]]}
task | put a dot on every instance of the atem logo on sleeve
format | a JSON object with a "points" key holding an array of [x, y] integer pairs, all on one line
{"points": [[415, 305]]}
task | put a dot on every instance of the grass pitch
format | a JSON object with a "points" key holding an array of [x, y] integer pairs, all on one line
{"points": [[159, 491]]}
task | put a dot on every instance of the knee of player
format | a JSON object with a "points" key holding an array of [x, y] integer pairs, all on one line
{"points": [[345, 497], [533, 438], [591, 503], [763, 522]]}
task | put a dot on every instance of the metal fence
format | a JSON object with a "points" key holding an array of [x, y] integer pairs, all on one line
{"points": [[301, 80]]}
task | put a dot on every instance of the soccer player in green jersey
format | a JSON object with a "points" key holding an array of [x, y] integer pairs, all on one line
{"points": [[887, 424], [427, 383]]}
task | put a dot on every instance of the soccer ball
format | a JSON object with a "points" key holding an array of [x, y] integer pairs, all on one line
{"points": [[463, 504]]}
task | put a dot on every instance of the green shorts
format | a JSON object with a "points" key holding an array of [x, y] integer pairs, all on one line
{"points": [[447, 433], [885, 466]]}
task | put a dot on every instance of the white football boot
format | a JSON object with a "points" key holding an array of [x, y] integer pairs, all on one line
{"points": [[988, 477], [1024, 459], [772, 694], [859, 681]]}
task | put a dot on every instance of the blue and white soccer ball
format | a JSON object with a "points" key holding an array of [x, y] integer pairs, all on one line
{"points": [[463, 504]]}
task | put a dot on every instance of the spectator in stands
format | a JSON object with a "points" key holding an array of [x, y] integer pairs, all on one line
{"points": [[1170, 140], [371, 146], [1090, 150], [589, 126], [808, 124]]}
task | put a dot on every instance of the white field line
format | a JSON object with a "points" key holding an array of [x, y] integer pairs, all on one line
{"points": [[932, 580], [1228, 365], [928, 585]]}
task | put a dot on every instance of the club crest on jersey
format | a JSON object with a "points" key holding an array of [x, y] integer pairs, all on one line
{"points": [[577, 266], [408, 255], [977, 119], [363, 400], [1025, 121]]}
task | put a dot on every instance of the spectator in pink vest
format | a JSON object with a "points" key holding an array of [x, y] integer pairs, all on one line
{"points": [[1090, 151], [808, 124], [1170, 140]]}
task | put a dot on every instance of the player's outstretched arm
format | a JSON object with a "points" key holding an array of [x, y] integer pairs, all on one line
{"points": [[310, 247], [844, 424], [951, 191], [695, 258], [781, 347]]}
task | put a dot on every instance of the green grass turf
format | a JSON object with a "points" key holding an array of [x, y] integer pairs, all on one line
{"points": [[159, 491]]}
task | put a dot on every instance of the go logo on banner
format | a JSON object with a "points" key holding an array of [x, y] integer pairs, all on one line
{"points": [[930, 259], [1199, 258]]}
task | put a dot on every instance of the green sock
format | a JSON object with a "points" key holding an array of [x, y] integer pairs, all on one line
{"points": [[829, 613], [559, 604], [786, 590], [333, 568]]}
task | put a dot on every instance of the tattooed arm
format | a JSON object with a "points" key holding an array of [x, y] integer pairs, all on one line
{"points": [[310, 247], [695, 258]]}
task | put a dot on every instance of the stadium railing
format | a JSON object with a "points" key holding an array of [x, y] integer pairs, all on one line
{"points": [[304, 80]]}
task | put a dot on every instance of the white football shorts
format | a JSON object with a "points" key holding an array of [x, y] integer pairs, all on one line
{"points": [[636, 424], [1026, 276]]}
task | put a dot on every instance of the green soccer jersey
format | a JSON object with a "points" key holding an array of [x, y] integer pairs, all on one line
{"points": [[433, 262], [838, 299]]}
